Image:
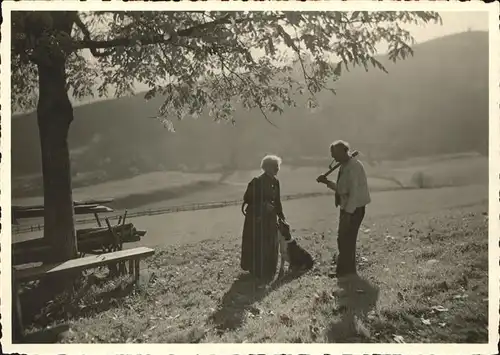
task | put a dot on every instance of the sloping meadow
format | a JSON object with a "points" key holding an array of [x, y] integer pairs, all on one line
{"points": [[423, 278]]}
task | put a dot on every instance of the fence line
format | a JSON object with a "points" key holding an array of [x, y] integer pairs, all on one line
{"points": [[173, 209]]}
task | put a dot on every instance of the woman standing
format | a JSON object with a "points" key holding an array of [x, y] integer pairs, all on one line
{"points": [[261, 207]]}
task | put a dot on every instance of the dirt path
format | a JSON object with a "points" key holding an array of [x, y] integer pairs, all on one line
{"points": [[193, 226]]}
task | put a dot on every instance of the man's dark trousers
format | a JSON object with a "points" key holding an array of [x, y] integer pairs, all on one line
{"points": [[347, 236]]}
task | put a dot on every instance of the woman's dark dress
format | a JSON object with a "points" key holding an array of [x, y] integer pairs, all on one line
{"points": [[259, 249]]}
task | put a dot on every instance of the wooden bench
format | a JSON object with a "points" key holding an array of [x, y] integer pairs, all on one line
{"points": [[31, 274], [89, 241], [80, 264]]}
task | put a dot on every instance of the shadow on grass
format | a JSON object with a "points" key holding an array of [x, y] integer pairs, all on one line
{"points": [[244, 292], [43, 306], [46, 336], [357, 298], [140, 199]]}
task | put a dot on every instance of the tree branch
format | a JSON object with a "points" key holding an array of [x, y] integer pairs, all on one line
{"points": [[167, 38], [244, 81], [86, 35], [148, 40]]}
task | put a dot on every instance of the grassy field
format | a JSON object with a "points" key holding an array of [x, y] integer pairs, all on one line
{"points": [[169, 189], [423, 268], [439, 171], [422, 253]]}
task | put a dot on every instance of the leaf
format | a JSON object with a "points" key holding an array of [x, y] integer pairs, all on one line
{"points": [[311, 103], [168, 125], [425, 321], [398, 338], [270, 48], [338, 69], [439, 309], [150, 94]]}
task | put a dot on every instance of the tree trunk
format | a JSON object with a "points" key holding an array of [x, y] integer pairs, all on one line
{"points": [[55, 114]]}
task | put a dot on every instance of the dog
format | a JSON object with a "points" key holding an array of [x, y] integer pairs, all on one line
{"points": [[298, 258]]}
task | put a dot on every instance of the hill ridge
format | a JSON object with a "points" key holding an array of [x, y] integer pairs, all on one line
{"points": [[438, 97]]}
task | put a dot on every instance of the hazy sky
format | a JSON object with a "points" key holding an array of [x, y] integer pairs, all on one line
{"points": [[453, 22]]}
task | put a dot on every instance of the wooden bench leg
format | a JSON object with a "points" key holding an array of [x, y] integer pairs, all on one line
{"points": [[136, 269], [123, 270], [98, 220], [113, 270], [17, 319], [131, 267]]}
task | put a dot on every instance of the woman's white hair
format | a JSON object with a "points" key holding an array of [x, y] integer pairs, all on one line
{"points": [[270, 159]]}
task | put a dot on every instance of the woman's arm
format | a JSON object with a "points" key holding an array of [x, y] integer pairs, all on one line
{"points": [[249, 196], [279, 206]]}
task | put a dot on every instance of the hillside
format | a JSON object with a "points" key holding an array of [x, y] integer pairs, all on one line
{"points": [[433, 103], [423, 279]]}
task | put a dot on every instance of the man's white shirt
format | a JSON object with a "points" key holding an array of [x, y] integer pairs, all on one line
{"points": [[352, 186]]}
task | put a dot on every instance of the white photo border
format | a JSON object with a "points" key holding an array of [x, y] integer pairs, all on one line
{"points": [[494, 178]]}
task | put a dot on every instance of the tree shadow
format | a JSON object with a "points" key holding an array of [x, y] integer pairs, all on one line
{"points": [[357, 298], [137, 200], [43, 306], [243, 293], [50, 335]]}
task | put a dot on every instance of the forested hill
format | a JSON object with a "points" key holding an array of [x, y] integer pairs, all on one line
{"points": [[435, 102]]}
